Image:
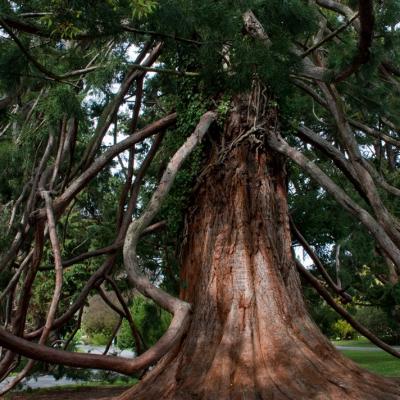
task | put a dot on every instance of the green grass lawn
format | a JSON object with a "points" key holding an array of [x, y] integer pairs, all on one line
{"points": [[377, 361], [362, 342]]}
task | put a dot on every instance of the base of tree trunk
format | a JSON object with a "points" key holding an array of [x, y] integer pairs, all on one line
{"points": [[250, 336]]}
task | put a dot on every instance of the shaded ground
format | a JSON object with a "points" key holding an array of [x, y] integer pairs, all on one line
{"points": [[376, 361], [82, 393]]}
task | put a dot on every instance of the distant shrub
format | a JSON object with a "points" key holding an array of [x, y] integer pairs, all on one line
{"points": [[98, 321], [100, 338], [343, 330], [379, 323], [151, 320]]}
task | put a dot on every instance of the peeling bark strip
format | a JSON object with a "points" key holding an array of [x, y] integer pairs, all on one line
{"points": [[250, 336]]}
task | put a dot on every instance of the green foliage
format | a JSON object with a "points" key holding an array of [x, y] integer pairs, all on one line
{"points": [[142, 8], [11, 159], [98, 321], [341, 329], [150, 319], [60, 100], [380, 323], [99, 338]]}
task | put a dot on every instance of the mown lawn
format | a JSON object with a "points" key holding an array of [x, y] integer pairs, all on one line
{"points": [[375, 361], [362, 342]]}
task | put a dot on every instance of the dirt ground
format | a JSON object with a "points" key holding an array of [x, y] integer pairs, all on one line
{"points": [[68, 394]]}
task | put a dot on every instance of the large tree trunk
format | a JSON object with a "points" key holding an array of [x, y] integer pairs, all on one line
{"points": [[250, 335]]}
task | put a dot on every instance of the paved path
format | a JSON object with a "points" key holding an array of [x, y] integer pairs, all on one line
{"points": [[364, 348], [47, 381]]}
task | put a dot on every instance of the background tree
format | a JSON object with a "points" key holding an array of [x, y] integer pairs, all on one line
{"points": [[232, 114]]}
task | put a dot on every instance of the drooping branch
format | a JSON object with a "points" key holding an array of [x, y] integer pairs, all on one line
{"points": [[317, 262], [178, 308], [99, 276], [137, 226], [278, 144], [338, 158], [127, 314], [342, 312], [51, 223]]}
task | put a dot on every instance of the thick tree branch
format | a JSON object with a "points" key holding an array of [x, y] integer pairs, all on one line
{"points": [[330, 36], [100, 162], [317, 262], [366, 13], [178, 308], [342, 312], [51, 313], [278, 144]]}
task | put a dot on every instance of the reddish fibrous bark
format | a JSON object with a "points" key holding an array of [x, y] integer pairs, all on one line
{"points": [[250, 336]]}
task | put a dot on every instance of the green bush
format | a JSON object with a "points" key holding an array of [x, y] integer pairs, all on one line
{"points": [[343, 330], [99, 338], [150, 320], [99, 321]]}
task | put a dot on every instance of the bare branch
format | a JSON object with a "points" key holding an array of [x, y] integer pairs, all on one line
{"points": [[317, 262], [135, 332], [330, 36]]}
